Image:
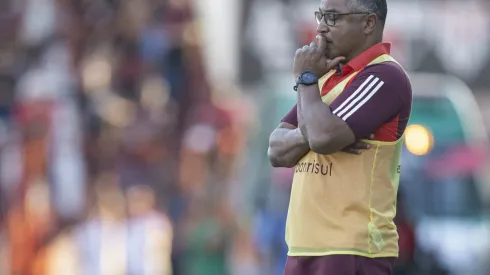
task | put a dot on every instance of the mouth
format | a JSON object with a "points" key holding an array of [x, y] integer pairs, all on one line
{"points": [[327, 40]]}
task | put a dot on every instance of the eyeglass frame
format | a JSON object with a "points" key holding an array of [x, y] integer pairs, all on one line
{"points": [[335, 16]]}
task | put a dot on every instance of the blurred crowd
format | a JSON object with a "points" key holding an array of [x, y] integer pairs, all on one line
{"points": [[115, 156]]}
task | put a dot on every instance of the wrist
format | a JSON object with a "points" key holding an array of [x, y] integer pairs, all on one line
{"points": [[306, 78], [309, 94]]}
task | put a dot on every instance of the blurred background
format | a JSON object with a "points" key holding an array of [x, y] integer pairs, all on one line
{"points": [[133, 135]]}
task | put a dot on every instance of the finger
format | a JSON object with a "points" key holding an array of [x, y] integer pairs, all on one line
{"points": [[322, 42], [361, 145], [336, 61], [356, 152], [352, 151], [313, 45]]}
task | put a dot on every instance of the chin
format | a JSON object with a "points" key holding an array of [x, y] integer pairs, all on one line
{"points": [[333, 53]]}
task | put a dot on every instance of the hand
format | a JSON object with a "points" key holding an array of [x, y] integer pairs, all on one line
{"points": [[314, 58], [358, 147]]}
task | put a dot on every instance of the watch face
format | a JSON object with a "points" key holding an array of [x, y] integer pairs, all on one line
{"points": [[309, 78]]}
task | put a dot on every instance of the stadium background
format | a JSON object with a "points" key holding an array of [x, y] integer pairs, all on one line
{"points": [[133, 134]]}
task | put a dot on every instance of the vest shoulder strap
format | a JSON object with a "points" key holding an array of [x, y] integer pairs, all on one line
{"points": [[324, 79], [383, 58]]}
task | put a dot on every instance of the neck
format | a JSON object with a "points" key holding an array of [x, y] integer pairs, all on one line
{"points": [[369, 43]]}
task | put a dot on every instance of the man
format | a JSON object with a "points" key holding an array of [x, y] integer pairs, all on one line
{"points": [[340, 218]]}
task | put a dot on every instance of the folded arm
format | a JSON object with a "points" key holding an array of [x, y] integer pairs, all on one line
{"points": [[287, 146]]}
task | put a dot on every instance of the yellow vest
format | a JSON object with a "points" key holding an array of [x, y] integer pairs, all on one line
{"points": [[343, 203]]}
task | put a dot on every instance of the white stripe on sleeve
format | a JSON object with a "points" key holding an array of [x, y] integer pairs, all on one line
{"points": [[365, 91], [353, 95], [363, 101]]}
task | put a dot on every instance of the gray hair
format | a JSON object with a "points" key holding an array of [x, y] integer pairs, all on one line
{"points": [[378, 7]]}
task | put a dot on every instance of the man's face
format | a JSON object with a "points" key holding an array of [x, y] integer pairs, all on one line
{"points": [[347, 32]]}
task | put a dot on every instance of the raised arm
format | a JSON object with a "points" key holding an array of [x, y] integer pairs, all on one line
{"points": [[376, 96]]}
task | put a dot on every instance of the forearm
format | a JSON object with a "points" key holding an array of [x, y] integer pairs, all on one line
{"points": [[301, 119], [324, 132], [314, 116], [287, 147]]}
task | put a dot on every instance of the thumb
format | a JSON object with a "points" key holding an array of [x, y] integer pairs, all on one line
{"points": [[335, 62]]}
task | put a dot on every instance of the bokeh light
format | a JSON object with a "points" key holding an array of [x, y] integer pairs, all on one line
{"points": [[418, 139]]}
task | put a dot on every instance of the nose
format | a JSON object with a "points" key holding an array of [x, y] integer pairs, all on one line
{"points": [[322, 27]]}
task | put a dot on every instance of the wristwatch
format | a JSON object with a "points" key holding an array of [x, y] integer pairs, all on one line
{"points": [[307, 78]]}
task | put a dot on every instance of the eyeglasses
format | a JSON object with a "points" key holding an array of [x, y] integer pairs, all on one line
{"points": [[330, 18]]}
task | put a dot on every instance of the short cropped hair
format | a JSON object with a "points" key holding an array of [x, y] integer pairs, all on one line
{"points": [[378, 7]]}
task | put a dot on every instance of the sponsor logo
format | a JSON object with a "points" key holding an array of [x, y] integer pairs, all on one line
{"points": [[314, 168]]}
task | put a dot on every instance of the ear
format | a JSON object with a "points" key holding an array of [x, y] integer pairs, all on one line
{"points": [[370, 24]]}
